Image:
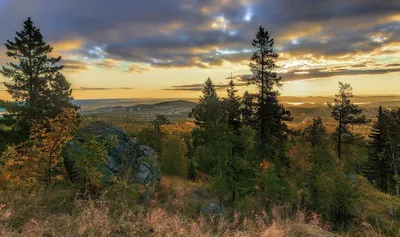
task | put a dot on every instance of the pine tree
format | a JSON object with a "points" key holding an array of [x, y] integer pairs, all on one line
{"points": [[270, 114], [248, 110], [378, 165], [392, 122], [316, 132], [159, 121], [209, 108], [38, 89], [218, 156], [232, 107], [221, 144], [346, 114], [59, 96]]}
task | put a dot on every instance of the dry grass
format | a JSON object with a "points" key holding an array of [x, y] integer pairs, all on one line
{"points": [[94, 220], [169, 213]]}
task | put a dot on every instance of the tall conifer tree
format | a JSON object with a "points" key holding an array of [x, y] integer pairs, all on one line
{"points": [[346, 114], [38, 88], [232, 106], [378, 165], [209, 108], [270, 114]]}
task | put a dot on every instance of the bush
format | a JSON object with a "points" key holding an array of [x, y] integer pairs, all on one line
{"points": [[173, 159], [88, 155]]}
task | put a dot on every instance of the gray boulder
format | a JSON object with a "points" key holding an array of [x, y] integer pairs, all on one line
{"points": [[212, 209], [126, 160]]}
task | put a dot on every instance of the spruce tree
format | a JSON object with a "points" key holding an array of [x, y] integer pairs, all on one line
{"points": [[248, 110], [346, 114], [222, 145], [270, 114], [38, 88], [209, 108], [232, 106], [378, 165], [315, 133], [392, 122], [218, 156]]}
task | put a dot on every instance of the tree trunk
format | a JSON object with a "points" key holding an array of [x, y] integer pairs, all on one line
{"points": [[262, 108], [49, 170]]}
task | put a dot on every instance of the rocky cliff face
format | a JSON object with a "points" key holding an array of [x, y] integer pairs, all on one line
{"points": [[126, 159]]}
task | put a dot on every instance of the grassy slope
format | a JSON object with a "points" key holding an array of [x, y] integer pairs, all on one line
{"points": [[174, 210], [378, 204]]}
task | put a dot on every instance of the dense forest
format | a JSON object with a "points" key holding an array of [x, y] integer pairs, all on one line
{"points": [[235, 167]]}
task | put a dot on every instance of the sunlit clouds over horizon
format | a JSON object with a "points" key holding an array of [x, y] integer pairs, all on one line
{"points": [[167, 49]]}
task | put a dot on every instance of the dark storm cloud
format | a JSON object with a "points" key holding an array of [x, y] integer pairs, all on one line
{"points": [[180, 33]]}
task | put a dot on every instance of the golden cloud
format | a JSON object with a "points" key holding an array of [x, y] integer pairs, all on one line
{"points": [[67, 45]]}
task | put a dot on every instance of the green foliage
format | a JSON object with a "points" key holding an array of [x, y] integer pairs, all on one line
{"points": [[323, 185], [121, 195], [159, 121], [152, 135], [173, 158], [315, 133], [333, 196], [223, 157], [274, 190], [248, 112], [209, 108], [192, 172], [231, 106], [148, 136], [378, 166], [374, 220], [383, 163], [346, 114], [89, 160]]}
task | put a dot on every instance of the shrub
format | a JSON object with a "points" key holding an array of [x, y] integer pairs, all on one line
{"points": [[173, 159]]}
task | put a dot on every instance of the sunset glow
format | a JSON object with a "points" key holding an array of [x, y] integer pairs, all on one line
{"points": [[154, 49]]}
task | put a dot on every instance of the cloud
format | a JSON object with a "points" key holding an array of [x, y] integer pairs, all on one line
{"points": [[206, 33], [199, 87], [74, 65], [68, 45], [297, 74], [107, 64], [317, 73], [137, 69], [102, 88]]}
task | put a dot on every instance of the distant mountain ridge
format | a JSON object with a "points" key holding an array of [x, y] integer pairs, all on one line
{"points": [[174, 106]]}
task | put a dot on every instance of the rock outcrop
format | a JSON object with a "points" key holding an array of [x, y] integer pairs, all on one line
{"points": [[126, 159]]}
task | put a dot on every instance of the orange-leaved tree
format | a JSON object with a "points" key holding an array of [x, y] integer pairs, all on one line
{"points": [[37, 161]]}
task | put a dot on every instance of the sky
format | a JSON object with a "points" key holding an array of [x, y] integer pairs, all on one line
{"points": [[168, 48]]}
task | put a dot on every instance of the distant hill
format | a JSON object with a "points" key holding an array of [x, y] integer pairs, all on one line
{"points": [[174, 107], [163, 105], [179, 103]]}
